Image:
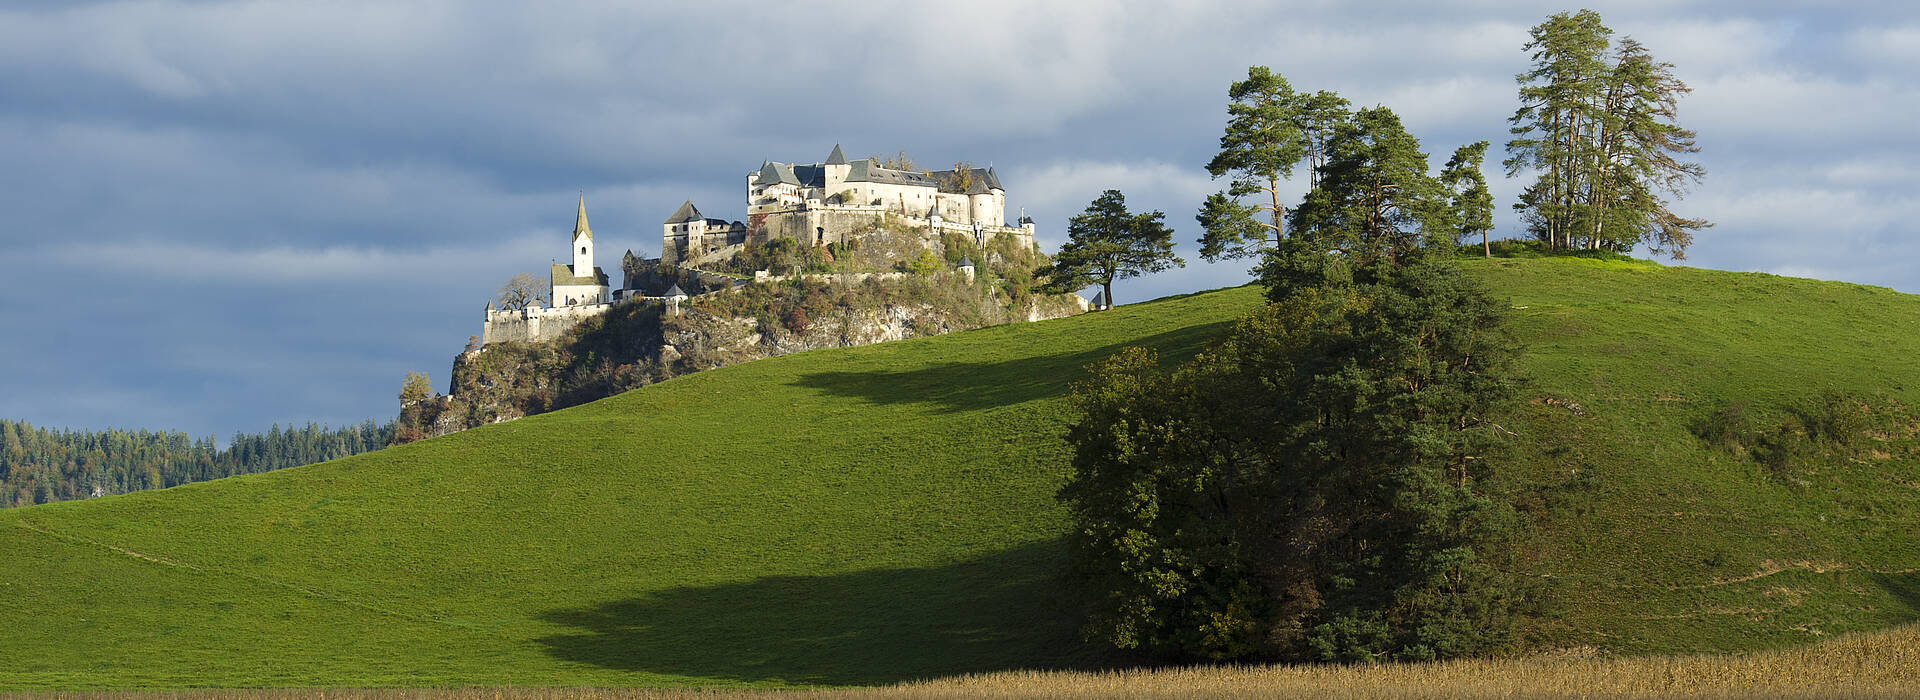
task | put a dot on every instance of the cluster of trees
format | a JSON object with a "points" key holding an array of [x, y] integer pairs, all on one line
{"points": [[1367, 177], [38, 465], [1597, 123], [1323, 482], [1320, 484], [1596, 128]]}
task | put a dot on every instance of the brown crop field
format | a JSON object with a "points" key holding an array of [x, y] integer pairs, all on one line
{"points": [[1874, 665]]}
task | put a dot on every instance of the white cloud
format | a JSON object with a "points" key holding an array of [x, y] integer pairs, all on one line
{"points": [[289, 266], [1071, 184], [1896, 47]]}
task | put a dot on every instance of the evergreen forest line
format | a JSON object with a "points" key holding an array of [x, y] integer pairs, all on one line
{"points": [[41, 465]]}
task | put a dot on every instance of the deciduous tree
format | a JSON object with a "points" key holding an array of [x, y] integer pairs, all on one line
{"points": [[415, 388], [520, 291]]}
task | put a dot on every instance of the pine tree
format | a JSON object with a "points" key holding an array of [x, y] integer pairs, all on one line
{"points": [[1106, 242], [1262, 143], [1375, 200], [1469, 202], [1599, 130]]}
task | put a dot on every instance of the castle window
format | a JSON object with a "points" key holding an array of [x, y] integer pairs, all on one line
{"points": [[583, 250]]}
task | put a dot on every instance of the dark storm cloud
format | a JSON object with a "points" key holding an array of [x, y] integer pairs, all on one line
{"points": [[225, 214]]}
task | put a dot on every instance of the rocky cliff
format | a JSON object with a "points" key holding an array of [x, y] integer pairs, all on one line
{"points": [[640, 343]]}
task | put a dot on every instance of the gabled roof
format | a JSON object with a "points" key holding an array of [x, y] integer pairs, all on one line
{"points": [[687, 212], [869, 171], [580, 227], [838, 157], [563, 275]]}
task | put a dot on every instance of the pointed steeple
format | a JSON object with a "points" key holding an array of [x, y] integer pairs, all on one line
{"points": [[580, 221], [838, 157]]}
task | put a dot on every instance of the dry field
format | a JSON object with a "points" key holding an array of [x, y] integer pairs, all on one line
{"points": [[1876, 665]]}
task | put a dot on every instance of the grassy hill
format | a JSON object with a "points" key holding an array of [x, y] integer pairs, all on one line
{"points": [[885, 513]]}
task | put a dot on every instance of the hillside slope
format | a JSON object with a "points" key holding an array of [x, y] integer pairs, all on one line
{"points": [[884, 513]]}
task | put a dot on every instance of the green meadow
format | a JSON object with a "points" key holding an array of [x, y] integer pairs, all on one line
{"points": [[882, 514]]}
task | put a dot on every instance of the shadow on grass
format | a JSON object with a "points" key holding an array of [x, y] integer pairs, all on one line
{"points": [[967, 386], [994, 613], [1904, 587]]}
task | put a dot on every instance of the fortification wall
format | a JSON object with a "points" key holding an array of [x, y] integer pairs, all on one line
{"points": [[535, 324], [831, 224]]}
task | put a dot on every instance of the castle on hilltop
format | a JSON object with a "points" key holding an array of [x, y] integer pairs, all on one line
{"points": [[822, 203], [815, 204]]}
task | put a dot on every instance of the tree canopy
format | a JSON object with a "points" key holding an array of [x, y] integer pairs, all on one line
{"points": [[1599, 131], [1322, 483], [1262, 143], [1106, 242], [38, 465]]}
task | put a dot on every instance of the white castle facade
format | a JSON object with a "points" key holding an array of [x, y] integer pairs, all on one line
{"points": [[814, 204], [822, 203]]}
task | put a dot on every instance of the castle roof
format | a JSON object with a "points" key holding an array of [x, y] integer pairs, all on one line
{"points": [[869, 171], [772, 173], [674, 291], [687, 212], [580, 221], [965, 261], [563, 276], [838, 157], [981, 181]]}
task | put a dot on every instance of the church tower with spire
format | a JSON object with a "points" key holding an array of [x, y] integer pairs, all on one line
{"points": [[580, 283], [582, 242]]}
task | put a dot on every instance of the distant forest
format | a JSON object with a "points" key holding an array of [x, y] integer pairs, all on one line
{"points": [[38, 465]]}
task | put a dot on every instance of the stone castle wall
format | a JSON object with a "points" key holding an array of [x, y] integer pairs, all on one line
{"points": [[820, 225], [535, 323]]}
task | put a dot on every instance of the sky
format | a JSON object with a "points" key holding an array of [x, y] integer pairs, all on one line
{"points": [[220, 216]]}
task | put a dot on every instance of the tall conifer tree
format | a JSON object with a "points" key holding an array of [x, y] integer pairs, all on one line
{"points": [[1470, 203], [1599, 130], [1262, 143]]}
